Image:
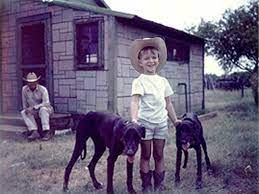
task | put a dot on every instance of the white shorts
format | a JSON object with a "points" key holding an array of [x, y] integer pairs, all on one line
{"points": [[155, 130]]}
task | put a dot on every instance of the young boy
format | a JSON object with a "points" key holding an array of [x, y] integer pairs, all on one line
{"points": [[151, 105]]}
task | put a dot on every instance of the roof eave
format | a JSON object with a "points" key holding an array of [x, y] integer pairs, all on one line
{"points": [[136, 20], [104, 4], [124, 16], [88, 7]]}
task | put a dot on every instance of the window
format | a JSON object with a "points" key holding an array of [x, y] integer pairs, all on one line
{"points": [[89, 45], [177, 51]]}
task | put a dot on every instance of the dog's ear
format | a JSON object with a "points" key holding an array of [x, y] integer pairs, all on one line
{"points": [[178, 128], [183, 116], [125, 122], [142, 131]]}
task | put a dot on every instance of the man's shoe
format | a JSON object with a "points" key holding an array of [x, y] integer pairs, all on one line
{"points": [[27, 133], [48, 136], [35, 135]]}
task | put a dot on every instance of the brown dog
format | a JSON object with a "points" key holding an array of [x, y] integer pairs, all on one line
{"points": [[189, 134], [106, 130]]}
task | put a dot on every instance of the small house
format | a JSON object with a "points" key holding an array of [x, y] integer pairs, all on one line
{"points": [[81, 50]]}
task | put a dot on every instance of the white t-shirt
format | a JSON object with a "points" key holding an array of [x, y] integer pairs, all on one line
{"points": [[152, 90]]}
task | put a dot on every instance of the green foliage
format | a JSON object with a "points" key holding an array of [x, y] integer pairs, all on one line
{"points": [[233, 40], [242, 77], [214, 77]]}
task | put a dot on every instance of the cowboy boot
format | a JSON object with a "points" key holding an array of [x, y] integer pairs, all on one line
{"points": [[158, 181], [146, 181]]}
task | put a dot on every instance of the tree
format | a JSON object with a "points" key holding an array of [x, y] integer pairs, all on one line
{"points": [[233, 40]]}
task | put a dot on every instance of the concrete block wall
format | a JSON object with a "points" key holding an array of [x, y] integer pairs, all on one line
{"points": [[75, 90], [72, 90], [174, 72], [196, 76], [11, 10], [81, 91], [64, 75]]}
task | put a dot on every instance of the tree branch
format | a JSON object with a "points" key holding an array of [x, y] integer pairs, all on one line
{"points": [[243, 67]]}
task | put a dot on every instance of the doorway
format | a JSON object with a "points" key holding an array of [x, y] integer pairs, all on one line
{"points": [[34, 40]]}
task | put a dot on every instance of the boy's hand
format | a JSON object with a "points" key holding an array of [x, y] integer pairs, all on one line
{"points": [[135, 121], [177, 122]]}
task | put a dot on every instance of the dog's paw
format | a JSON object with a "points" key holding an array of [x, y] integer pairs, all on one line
{"points": [[110, 192], [65, 186], [177, 182], [132, 191], [98, 185], [198, 184], [210, 171], [65, 189]]}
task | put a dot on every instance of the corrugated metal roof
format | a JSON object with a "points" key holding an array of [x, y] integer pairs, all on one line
{"points": [[79, 5], [133, 19], [100, 3]]}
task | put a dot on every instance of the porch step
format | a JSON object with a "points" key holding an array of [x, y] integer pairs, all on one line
{"points": [[58, 121], [12, 128], [16, 132], [12, 119]]}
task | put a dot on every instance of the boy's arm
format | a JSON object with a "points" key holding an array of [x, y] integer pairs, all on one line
{"points": [[171, 111], [134, 106]]}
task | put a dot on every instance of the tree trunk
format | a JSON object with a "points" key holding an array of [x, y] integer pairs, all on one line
{"points": [[254, 85]]}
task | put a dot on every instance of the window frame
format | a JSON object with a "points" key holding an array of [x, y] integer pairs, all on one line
{"points": [[180, 44], [100, 48]]}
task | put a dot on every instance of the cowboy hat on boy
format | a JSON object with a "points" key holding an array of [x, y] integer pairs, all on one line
{"points": [[138, 44]]}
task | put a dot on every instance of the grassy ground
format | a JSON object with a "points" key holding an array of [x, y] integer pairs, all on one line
{"points": [[232, 140]]}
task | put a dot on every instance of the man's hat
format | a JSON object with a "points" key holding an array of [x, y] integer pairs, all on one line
{"points": [[139, 44], [31, 77]]}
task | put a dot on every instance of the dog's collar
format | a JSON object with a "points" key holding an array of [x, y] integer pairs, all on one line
{"points": [[188, 120]]}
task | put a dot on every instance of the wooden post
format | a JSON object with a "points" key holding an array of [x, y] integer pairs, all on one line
{"points": [[242, 90]]}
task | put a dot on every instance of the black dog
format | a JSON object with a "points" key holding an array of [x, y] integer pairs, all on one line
{"points": [[189, 134], [106, 130]]}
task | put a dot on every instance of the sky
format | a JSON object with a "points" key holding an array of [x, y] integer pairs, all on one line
{"points": [[179, 14]]}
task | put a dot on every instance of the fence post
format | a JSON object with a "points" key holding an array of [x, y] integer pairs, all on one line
{"points": [[242, 90]]}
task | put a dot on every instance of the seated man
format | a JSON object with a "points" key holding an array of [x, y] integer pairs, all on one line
{"points": [[35, 100]]}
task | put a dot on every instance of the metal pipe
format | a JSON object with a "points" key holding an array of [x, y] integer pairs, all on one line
{"points": [[203, 85], [185, 93]]}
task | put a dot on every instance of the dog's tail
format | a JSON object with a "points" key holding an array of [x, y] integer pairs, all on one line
{"points": [[82, 139], [82, 134]]}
